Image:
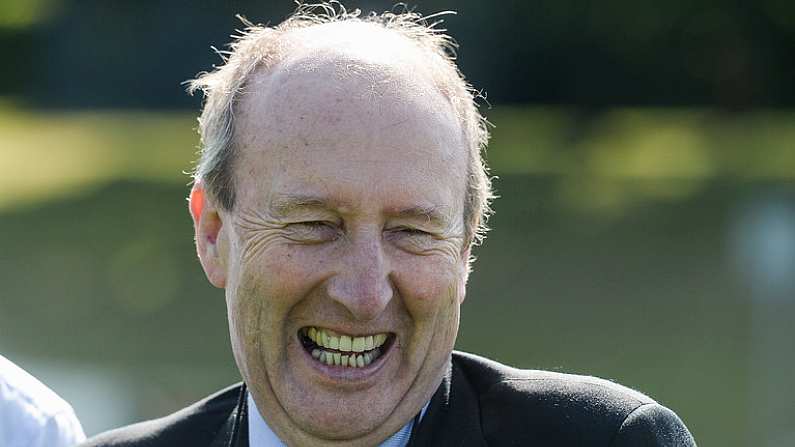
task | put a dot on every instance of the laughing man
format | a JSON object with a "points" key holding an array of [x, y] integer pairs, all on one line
{"points": [[338, 194]]}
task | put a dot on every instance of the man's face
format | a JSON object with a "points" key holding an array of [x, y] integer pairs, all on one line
{"points": [[344, 259]]}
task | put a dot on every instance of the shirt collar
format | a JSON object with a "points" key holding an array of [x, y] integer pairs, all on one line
{"points": [[261, 435]]}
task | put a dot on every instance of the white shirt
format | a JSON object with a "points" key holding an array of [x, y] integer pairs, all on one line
{"points": [[261, 435], [32, 415]]}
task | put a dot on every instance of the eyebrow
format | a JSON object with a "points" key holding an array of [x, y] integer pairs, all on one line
{"points": [[286, 204]]}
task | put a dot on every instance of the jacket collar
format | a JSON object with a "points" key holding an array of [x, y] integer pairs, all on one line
{"points": [[234, 431]]}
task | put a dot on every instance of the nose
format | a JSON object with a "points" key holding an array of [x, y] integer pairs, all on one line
{"points": [[361, 282]]}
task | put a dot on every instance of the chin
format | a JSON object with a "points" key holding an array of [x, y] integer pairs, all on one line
{"points": [[341, 416], [340, 429]]}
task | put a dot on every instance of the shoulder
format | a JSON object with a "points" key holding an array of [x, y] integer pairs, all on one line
{"points": [[195, 425], [566, 409], [33, 415]]}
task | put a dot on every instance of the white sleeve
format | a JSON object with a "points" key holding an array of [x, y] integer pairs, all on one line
{"points": [[32, 415]]}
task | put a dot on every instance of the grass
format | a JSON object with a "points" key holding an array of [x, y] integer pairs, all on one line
{"points": [[46, 155]]}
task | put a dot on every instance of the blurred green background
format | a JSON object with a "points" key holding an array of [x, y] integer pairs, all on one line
{"points": [[645, 154]]}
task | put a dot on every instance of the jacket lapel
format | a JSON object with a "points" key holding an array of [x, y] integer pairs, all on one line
{"points": [[234, 431], [453, 416]]}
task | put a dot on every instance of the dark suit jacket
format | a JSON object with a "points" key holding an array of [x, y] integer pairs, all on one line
{"points": [[479, 403]]}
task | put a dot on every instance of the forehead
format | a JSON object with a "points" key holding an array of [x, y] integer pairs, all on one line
{"points": [[337, 116]]}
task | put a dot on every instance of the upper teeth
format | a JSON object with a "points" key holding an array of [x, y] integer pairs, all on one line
{"points": [[345, 343]]}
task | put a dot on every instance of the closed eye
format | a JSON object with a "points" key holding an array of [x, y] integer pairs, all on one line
{"points": [[313, 231], [415, 240], [314, 224], [410, 231]]}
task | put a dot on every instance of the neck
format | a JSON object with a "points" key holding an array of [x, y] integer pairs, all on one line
{"points": [[291, 434]]}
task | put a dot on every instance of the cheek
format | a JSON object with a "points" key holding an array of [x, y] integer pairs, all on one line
{"points": [[273, 274], [259, 302], [273, 282], [430, 286]]}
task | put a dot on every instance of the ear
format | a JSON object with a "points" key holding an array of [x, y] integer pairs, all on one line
{"points": [[207, 226]]}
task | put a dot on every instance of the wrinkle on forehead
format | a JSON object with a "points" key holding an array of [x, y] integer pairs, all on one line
{"points": [[335, 92], [347, 63]]}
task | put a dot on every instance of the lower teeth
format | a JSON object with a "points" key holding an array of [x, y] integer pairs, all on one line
{"points": [[350, 361]]}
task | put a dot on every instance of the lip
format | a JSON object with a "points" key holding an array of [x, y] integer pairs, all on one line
{"points": [[345, 376]]}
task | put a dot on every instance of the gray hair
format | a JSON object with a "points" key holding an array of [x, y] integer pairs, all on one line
{"points": [[261, 47]]}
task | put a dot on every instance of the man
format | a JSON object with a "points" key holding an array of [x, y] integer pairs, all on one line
{"points": [[32, 415], [339, 192]]}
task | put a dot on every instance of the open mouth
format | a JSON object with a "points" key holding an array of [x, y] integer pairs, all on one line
{"points": [[334, 349]]}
